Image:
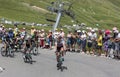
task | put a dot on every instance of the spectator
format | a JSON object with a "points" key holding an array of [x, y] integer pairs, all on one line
{"points": [[84, 41], [89, 41], [94, 41], [100, 42], [42, 38]]}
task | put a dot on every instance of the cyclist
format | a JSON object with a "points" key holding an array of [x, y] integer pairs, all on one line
{"points": [[27, 44], [6, 41], [27, 52], [10, 33], [60, 47]]}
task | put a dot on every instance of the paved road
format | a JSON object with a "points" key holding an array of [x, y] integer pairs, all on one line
{"points": [[79, 65]]}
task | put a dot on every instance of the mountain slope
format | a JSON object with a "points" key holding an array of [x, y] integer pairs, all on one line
{"points": [[103, 12]]}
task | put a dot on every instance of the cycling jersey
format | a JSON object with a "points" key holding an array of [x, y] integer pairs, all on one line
{"points": [[6, 39], [11, 34], [27, 44], [59, 44]]}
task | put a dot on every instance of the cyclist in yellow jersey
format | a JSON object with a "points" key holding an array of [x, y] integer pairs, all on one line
{"points": [[15, 31]]}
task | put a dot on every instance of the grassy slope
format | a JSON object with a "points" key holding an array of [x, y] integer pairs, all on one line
{"points": [[13, 10], [104, 12]]}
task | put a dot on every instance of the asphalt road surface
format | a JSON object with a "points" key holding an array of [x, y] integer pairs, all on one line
{"points": [[79, 65]]}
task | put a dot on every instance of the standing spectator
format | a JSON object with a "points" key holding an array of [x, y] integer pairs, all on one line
{"points": [[68, 40], [42, 38], [106, 40], [100, 42], [117, 43], [78, 40], [83, 38], [105, 44], [73, 40], [39, 33], [89, 41], [50, 39], [94, 41]]}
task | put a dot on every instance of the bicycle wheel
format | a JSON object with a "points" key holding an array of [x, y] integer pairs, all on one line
{"points": [[11, 53], [35, 51], [3, 52]]}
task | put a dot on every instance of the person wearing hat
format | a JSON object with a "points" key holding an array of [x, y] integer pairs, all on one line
{"points": [[89, 41], [117, 43], [42, 38], [84, 41], [78, 40], [94, 40]]}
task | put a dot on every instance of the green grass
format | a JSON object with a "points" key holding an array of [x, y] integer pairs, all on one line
{"points": [[103, 12]]}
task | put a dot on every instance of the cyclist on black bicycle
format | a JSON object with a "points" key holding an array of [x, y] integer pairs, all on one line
{"points": [[27, 44], [60, 47], [27, 52], [6, 41]]}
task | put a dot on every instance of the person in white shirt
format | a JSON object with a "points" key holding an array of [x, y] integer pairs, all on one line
{"points": [[94, 40], [83, 38], [89, 41], [42, 38], [56, 34]]}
